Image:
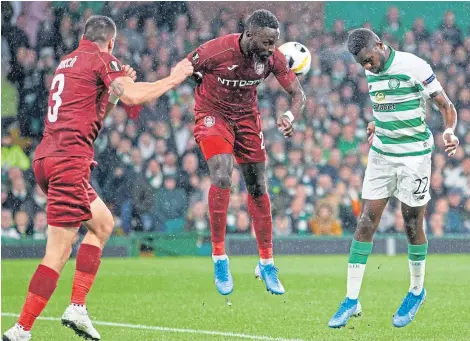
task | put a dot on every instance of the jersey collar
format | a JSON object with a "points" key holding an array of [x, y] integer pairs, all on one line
{"points": [[389, 60]]}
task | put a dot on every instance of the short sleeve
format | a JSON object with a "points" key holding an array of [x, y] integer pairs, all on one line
{"points": [[109, 68], [425, 77], [281, 70], [200, 57]]}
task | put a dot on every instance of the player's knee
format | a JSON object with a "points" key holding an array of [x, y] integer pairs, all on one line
{"points": [[257, 190], [107, 225], [366, 221], [221, 179]]}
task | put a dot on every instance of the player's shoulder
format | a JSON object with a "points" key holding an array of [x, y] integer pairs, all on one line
{"points": [[223, 43], [409, 60]]}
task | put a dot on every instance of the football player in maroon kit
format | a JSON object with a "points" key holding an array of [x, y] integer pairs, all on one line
{"points": [[228, 70], [86, 86]]}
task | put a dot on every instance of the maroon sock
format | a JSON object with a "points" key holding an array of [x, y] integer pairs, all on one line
{"points": [[260, 212], [218, 207], [40, 290], [88, 262]]}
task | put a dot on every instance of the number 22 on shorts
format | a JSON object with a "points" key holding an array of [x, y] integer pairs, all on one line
{"points": [[53, 113]]}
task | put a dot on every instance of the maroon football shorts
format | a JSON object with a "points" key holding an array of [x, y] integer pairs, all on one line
{"points": [[243, 133], [65, 180]]}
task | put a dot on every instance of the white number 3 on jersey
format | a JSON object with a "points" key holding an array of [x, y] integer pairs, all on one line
{"points": [[54, 112]]}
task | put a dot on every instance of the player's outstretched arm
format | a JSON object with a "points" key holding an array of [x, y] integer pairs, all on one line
{"points": [[113, 99], [449, 114], [141, 92], [286, 120]]}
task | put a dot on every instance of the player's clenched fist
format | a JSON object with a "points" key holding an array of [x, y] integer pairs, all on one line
{"points": [[285, 126], [182, 70], [130, 72], [451, 142]]}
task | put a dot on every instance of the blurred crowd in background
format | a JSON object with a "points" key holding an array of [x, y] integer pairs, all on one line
{"points": [[150, 171]]}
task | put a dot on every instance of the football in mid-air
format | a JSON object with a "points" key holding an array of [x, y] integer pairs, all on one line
{"points": [[298, 57]]}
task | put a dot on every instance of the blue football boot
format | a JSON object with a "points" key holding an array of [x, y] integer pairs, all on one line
{"points": [[222, 277], [268, 273], [408, 309], [347, 309]]}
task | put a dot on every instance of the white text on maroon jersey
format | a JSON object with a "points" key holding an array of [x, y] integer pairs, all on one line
{"points": [[239, 82], [67, 63]]}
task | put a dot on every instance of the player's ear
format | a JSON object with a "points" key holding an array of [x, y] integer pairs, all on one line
{"points": [[83, 36]]}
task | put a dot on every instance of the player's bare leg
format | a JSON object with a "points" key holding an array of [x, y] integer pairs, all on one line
{"points": [[220, 168], [417, 250], [100, 228], [44, 281], [259, 208], [361, 248]]}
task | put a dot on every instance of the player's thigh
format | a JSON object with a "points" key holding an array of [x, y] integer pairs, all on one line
{"points": [[380, 179], [68, 203], [413, 216], [214, 134], [414, 174], [249, 146], [372, 210], [102, 222]]}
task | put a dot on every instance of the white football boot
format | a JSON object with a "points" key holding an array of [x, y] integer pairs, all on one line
{"points": [[16, 333], [76, 317]]}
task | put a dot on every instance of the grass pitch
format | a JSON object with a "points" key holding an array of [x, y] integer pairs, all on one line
{"points": [[175, 299]]}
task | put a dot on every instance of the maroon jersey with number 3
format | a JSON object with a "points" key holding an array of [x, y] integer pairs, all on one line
{"points": [[230, 79], [77, 102]]}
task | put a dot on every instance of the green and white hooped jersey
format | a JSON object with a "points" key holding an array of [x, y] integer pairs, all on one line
{"points": [[398, 96]]}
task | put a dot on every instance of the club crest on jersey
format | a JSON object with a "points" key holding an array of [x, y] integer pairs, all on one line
{"points": [[114, 65], [259, 68], [394, 83], [209, 121], [195, 58]]}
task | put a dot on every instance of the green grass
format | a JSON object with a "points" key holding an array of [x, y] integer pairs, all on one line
{"points": [[179, 293]]}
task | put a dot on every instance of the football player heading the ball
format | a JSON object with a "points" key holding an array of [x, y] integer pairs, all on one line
{"points": [[228, 124]]}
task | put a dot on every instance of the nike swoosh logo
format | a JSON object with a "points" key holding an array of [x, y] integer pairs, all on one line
{"points": [[232, 67]]}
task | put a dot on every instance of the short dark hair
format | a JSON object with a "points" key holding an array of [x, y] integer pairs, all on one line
{"points": [[360, 38], [99, 29], [263, 18]]}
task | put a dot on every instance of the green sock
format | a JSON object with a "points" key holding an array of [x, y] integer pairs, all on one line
{"points": [[417, 263], [358, 255]]}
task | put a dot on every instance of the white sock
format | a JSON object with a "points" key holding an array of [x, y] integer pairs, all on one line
{"points": [[219, 257], [417, 270], [355, 275], [266, 261]]}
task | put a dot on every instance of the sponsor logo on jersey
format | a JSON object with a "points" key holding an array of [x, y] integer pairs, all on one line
{"points": [[114, 65], [384, 107], [195, 58], [379, 97], [394, 83], [209, 121], [232, 67], [238, 82], [259, 68], [430, 79]]}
